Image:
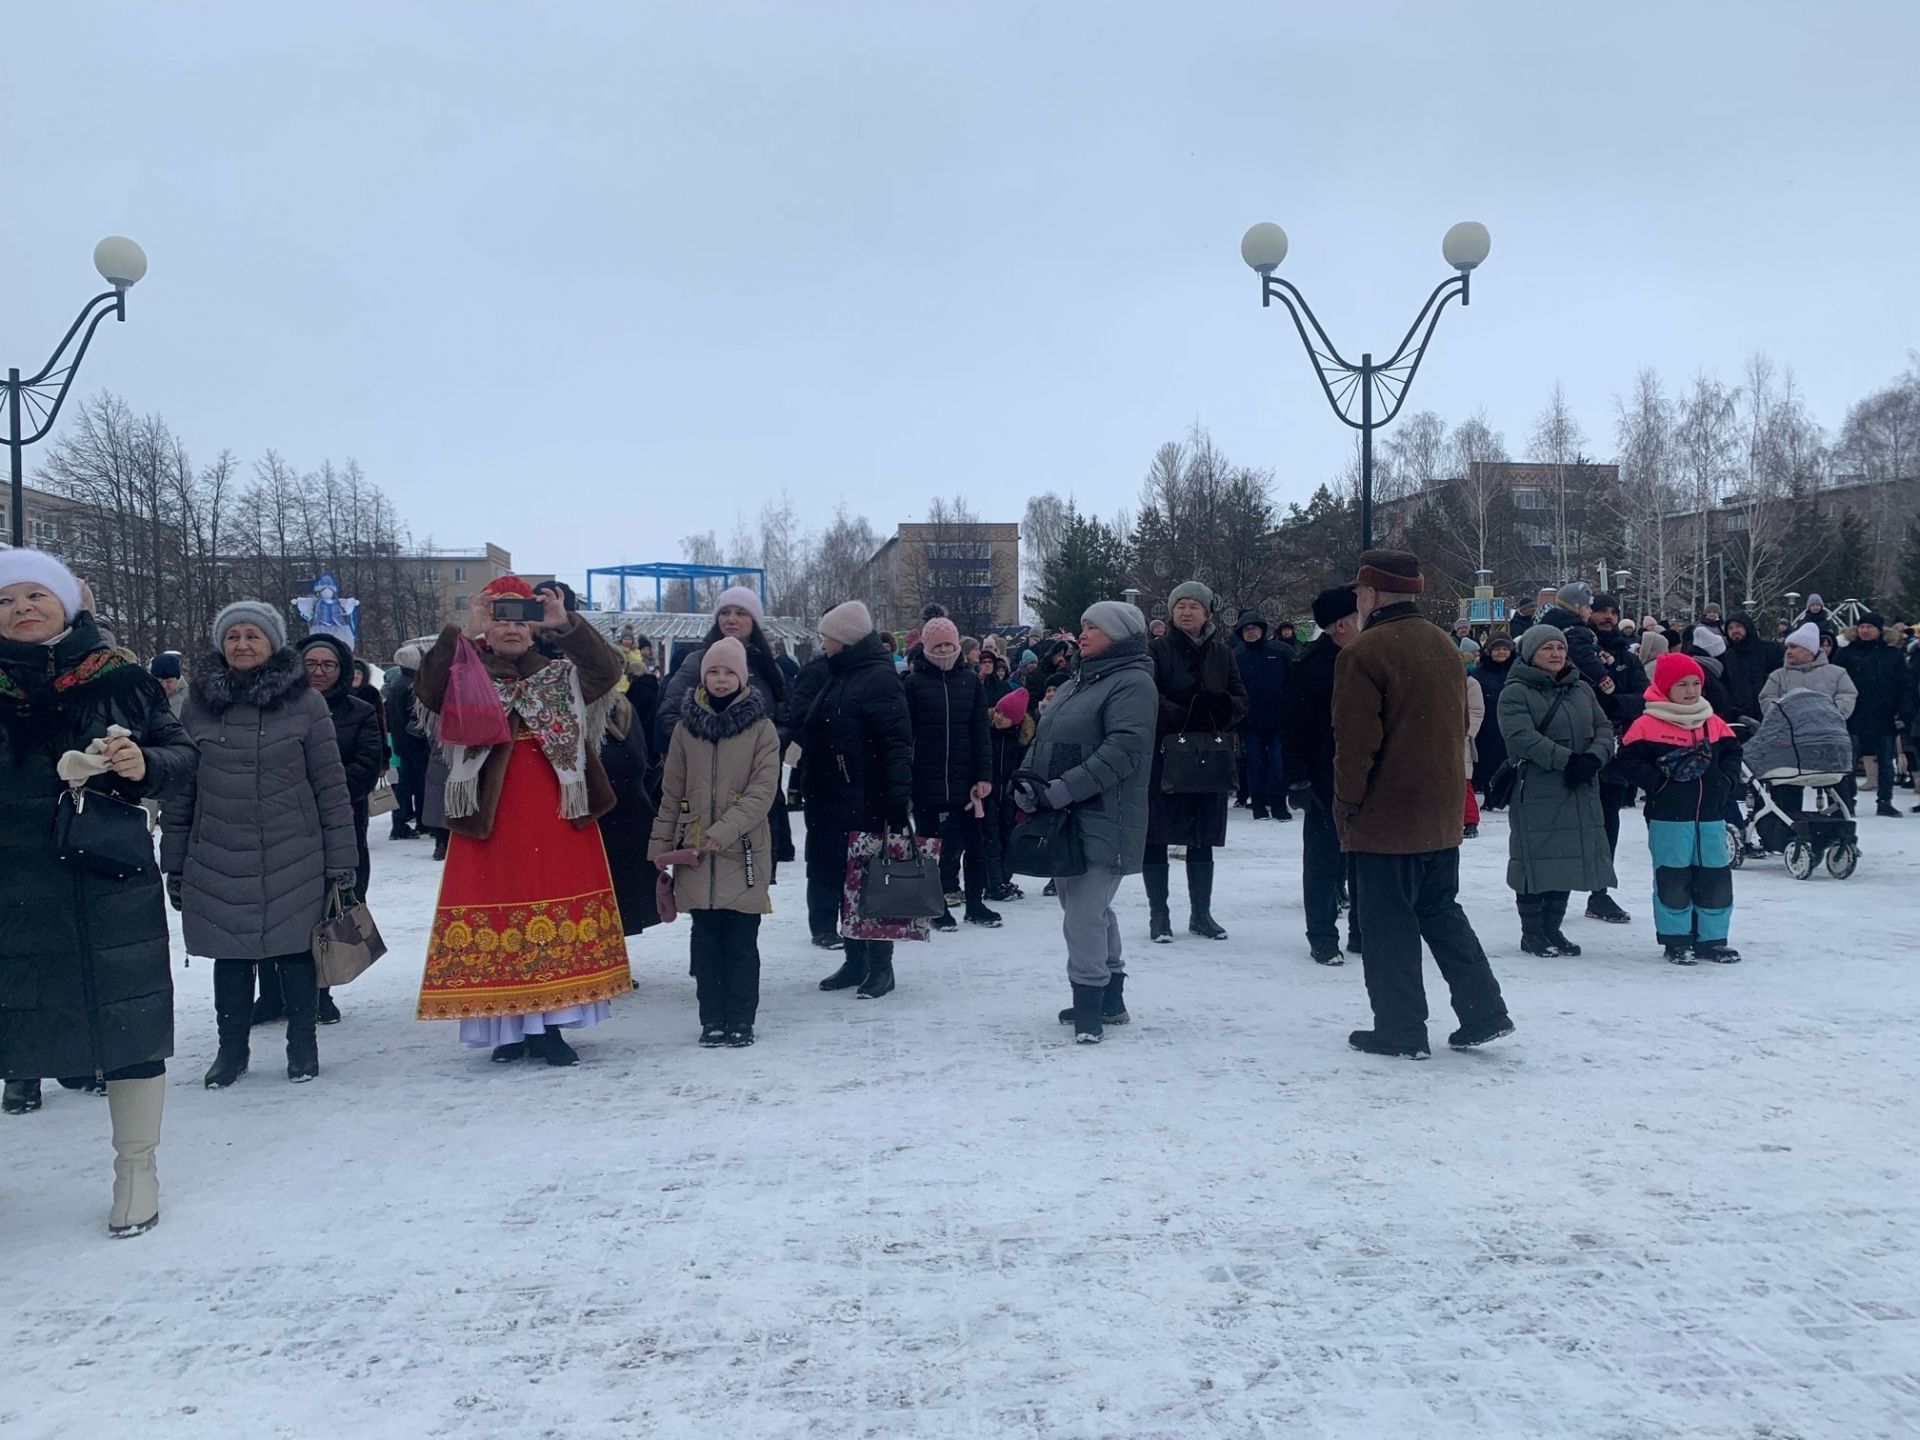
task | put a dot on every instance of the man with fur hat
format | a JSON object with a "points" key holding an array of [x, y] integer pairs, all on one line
{"points": [[1399, 769], [1307, 748]]}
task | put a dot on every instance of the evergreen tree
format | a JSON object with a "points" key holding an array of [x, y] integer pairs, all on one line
{"points": [[1090, 564], [1907, 572], [1845, 569]]}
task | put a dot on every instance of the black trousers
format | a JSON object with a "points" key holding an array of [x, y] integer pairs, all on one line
{"points": [[961, 837], [1407, 899], [726, 967], [409, 789], [1321, 866], [1613, 799], [823, 908]]}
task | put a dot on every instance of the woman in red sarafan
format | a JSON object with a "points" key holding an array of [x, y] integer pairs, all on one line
{"points": [[527, 939]]}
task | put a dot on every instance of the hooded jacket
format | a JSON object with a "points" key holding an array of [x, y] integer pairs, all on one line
{"points": [[1557, 837], [1264, 666], [264, 817], [723, 771], [1748, 663], [363, 754]]}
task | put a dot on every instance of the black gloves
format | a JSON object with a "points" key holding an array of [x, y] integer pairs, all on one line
{"points": [[176, 891], [1582, 770]]}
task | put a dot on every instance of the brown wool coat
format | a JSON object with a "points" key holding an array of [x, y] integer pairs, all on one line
{"points": [[600, 667], [1400, 737]]}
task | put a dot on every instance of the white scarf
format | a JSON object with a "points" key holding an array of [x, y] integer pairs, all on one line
{"points": [[1687, 717]]}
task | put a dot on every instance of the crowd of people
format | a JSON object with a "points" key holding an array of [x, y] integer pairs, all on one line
{"points": [[578, 791]]}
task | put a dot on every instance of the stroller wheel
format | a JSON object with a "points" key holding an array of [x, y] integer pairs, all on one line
{"points": [[1841, 859], [1800, 859], [1736, 846]]}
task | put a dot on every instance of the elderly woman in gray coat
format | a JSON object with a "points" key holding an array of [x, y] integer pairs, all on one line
{"points": [[1558, 737], [1093, 754], [264, 831]]}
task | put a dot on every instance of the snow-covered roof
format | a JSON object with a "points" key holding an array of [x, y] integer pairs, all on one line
{"points": [[666, 625]]}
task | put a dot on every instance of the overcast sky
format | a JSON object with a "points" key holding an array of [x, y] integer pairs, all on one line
{"points": [[584, 278]]}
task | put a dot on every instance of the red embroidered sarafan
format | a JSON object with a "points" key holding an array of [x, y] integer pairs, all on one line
{"points": [[527, 920]]}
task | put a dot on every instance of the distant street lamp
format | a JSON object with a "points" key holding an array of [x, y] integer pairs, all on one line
{"points": [[121, 263], [1351, 387]]}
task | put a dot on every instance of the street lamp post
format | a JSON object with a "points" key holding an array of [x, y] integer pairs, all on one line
{"points": [[1351, 387], [37, 400]]}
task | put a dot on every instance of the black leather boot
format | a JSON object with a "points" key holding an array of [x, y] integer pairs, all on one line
{"points": [[303, 1049], [233, 1014], [271, 1005], [1200, 900], [853, 969], [879, 979], [1159, 922], [1086, 1013]]}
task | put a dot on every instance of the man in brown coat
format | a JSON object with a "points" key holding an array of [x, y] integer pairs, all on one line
{"points": [[1400, 732]]}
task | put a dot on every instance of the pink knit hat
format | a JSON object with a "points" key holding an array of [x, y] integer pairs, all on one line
{"points": [[727, 654], [1014, 704], [939, 630]]}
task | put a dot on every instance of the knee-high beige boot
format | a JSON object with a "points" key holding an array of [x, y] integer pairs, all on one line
{"points": [[135, 1107]]}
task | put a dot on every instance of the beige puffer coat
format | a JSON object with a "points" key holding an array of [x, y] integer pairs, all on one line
{"points": [[723, 770]]}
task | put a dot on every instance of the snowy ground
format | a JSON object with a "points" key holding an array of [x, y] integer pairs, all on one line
{"points": [[1677, 1203]]}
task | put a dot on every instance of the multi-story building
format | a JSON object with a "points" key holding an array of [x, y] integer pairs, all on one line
{"points": [[971, 570], [453, 576]]}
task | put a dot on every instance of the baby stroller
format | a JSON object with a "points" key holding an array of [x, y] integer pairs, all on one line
{"points": [[1802, 746]]}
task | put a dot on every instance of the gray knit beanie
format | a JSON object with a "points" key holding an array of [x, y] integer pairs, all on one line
{"points": [[1115, 619], [1576, 593], [1191, 590], [1538, 635], [250, 612]]}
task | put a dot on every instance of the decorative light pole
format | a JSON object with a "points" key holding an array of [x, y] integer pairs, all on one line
{"points": [[1352, 388], [121, 263]]}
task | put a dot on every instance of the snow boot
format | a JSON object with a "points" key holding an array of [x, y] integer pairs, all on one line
{"points": [[1259, 812], [1602, 906], [712, 1036], [978, 914], [852, 971], [271, 1005], [1372, 1042], [739, 1036], [22, 1097], [135, 1106], [1327, 955], [303, 998], [1051, 891], [879, 979], [1280, 810], [507, 1054], [944, 922], [325, 1012], [1480, 1032], [1680, 955], [1718, 952], [1113, 1001], [1006, 894], [1088, 1001], [440, 845], [1200, 919], [1887, 809], [233, 1013], [552, 1047], [1471, 832], [828, 942], [1159, 922]]}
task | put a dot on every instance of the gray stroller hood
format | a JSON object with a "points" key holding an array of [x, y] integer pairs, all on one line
{"points": [[1802, 734]]}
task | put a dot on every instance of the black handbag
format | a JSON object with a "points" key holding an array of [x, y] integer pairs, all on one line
{"points": [[902, 887], [1048, 844], [1506, 775], [101, 832], [1199, 762]]}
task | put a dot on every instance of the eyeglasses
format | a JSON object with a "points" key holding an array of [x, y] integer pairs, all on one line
{"points": [[323, 667]]}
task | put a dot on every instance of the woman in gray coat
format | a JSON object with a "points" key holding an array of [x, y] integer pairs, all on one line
{"points": [[1559, 737], [1093, 753], [254, 843]]}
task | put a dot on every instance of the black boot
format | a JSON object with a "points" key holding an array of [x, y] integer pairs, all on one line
{"points": [[1372, 1042], [853, 969], [551, 1046], [879, 979], [325, 1012], [1113, 1005], [1159, 922], [1494, 1027], [22, 1097], [1533, 932], [1602, 906], [233, 1012], [440, 844], [1088, 1002], [271, 1005], [1555, 915], [303, 998], [1200, 919]]}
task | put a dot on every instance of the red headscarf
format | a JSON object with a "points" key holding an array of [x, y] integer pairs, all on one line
{"points": [[508, 587]]}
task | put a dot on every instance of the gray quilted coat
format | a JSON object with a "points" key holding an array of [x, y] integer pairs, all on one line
{"points": [[266, 815], [1098, 736], [1557, 838]]}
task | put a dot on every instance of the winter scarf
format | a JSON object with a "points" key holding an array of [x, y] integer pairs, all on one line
{"points": [[553, 710], [38, 683], [713, 721]]}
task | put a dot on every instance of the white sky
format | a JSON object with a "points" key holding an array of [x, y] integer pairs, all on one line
{"points": [[583, 278]]}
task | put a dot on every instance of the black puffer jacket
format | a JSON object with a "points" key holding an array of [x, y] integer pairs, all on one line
{"points": [[1879, 673], [1306, 736], [949, 713], [1200, 689], [409, 740], [363, 753], [857, 747], [1629, 698], [1748, 662], [85, 985]]}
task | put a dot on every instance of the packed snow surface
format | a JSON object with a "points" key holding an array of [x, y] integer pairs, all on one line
{"points": [[1679, 1202]]}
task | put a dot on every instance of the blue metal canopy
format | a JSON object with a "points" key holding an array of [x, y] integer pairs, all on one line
{"points": [[661, 571]]}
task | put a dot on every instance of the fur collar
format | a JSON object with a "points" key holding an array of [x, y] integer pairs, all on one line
{"points": [[218, 687], [705, 723]]}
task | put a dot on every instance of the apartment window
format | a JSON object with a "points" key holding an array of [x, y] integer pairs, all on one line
{"points": [[45, 532], [430, 574], [1538, 536], [459, 574], [460, 604], [1737, 520], [1525, 497]]}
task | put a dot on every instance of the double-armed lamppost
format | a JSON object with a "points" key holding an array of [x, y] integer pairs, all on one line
{"points": [[121, 263], [1352, 388]]}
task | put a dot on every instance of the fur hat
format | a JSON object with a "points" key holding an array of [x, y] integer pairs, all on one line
{"points": [[1014, 704], [939, 630], [1807, 637], [847, 624], [1669, 670], [1334, 603], [1576, 593], [743, 597], [1191, 590], [250, 612], [17, 567], [1709, 640], [727, 654], [1538, 635], [1391, 572], [1116, 619], [165, 666]]}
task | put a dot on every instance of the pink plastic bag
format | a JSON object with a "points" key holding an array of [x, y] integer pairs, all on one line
{"points": [[472, 713]]}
